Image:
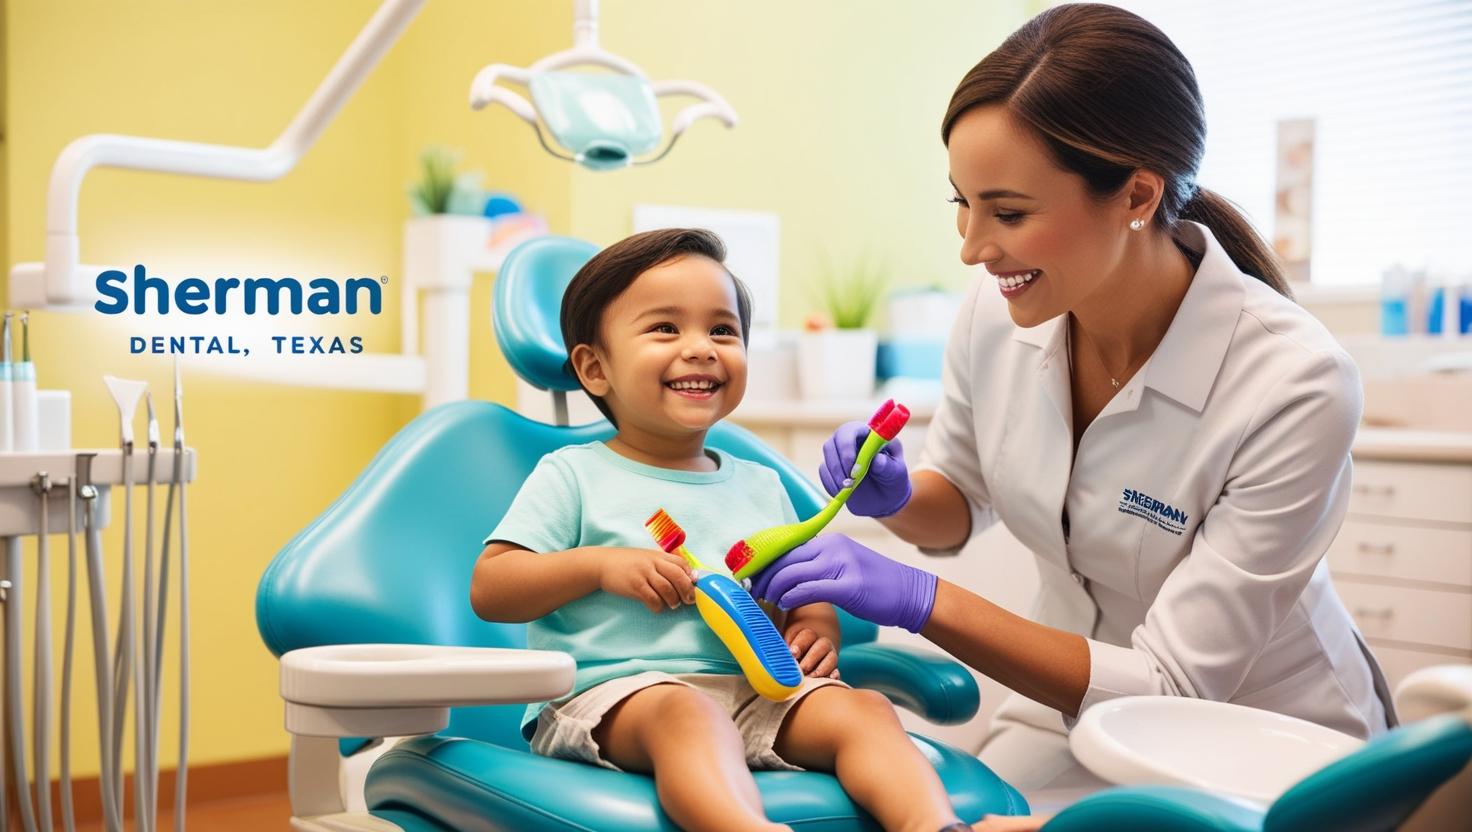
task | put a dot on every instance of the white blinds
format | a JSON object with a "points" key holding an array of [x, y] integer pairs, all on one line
{"points": [[1389, 85]]}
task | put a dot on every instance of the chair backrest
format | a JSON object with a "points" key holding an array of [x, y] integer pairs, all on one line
{"points": [[391, 559], [526, 309]]}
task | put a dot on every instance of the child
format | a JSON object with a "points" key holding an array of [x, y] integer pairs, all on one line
{"points": [[657, 333]]}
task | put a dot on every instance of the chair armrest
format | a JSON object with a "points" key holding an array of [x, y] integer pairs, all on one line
{"points": [[378, 690], [1434, 690], [1157, 807], [931, 684]]}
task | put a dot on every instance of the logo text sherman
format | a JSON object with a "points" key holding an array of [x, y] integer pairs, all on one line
{"points": [[1142, 505], [194, 296]]}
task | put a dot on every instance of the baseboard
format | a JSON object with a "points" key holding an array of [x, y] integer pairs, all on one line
{"points": [[208, 782]]}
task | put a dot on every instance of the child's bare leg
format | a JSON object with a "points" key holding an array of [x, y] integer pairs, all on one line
{"points": [[695, 752], [856, 735]]}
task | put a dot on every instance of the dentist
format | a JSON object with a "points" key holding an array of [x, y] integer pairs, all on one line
{"points": [[1134, 393]]}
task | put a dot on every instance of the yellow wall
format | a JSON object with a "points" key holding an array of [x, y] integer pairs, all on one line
{"points": [[840, 106], [233, 74]]}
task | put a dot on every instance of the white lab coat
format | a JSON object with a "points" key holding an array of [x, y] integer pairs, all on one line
{"points": [[1200, 503]]}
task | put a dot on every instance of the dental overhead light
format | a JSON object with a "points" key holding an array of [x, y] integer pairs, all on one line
{"points": [[603, 120]]}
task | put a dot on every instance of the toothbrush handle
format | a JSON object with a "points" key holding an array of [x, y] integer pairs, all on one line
{"points": [[872, 443], [689, 558]]}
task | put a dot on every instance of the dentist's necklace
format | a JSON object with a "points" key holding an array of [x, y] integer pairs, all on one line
{"points": [[1113, 379]]}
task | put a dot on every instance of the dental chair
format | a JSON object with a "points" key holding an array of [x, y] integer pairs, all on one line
{"points": [[369, 609], [1414, 777]]}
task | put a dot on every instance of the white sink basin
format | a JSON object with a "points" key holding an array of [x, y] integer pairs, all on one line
{"points": [[1225, 749]]}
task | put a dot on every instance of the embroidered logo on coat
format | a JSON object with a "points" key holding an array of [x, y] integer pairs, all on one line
{"points": [[1142, 505]]}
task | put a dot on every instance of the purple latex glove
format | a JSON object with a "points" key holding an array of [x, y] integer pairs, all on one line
{"points": [[833, 568], [884, 491]]}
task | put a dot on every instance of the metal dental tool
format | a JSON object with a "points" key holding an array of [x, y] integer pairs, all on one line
{"points": [[14, 699], [125, 395], [175, 482], [102, 661], [41, 673], [183, 775], [145, 737], [68, 819]]}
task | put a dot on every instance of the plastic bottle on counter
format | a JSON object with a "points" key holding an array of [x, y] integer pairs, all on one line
{"points": [[1395, 300]]}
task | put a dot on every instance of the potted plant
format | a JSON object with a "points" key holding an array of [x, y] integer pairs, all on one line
{"points": [[836, 356]]}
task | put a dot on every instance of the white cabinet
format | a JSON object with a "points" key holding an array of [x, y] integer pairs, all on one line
{"points": [[1403, 561]]}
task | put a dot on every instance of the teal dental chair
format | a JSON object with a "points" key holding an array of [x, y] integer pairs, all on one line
{"points": [[387, 567]]}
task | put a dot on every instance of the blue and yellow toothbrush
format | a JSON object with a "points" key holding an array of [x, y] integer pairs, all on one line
{"points": [[733, 615]]}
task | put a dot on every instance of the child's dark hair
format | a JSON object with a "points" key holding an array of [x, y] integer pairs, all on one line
{"points": [[615, 268]]}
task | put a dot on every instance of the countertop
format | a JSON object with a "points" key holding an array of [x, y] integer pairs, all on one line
{"points": [[1403, 444]]}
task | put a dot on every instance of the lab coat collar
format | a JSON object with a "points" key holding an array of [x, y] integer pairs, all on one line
{"points": [[1185, 364]]}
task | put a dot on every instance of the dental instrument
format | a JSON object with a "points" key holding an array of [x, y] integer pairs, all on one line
{"points": [[27, 420], [7, 390], [14, 699], [41, 671], [735, 618], [146, 766], [755, 552], [101, 656], [68, 817], [125, 395], [181, 781]]}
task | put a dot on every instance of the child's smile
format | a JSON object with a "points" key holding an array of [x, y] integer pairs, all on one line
{"points": [[671, 361]]}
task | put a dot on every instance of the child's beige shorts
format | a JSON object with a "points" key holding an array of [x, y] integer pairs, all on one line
{"points": [[565, 729]]}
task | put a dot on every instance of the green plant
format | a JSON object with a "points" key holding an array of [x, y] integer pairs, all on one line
{"points": [[431, 195], [850, 294]]}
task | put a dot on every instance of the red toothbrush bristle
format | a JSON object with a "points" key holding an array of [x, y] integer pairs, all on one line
{"points": [[878, 418], [667, 533], [889, 426], [738, 556]]}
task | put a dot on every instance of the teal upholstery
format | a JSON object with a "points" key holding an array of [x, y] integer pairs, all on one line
{"points": [[391, 559], [528, 304], [1375, 788]]}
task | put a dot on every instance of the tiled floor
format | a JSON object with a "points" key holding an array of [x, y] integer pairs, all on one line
{"points": [[247, 814]]}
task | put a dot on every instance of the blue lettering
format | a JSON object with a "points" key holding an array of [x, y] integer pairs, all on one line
{"points": [[223, 286], [375, 294], [136, 344], [324, 297], [189, 293], [144, 283], [116, 294], [192, 296], [273, 297]]}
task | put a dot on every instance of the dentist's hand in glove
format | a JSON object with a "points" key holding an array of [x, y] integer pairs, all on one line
{"points": [[835, 569], [884, 491]]}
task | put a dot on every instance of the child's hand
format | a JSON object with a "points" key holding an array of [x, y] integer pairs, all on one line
{"points": [[658, 580], [815, 654]]}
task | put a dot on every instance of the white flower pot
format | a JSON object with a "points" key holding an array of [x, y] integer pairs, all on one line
{"points": [[837, 364]]}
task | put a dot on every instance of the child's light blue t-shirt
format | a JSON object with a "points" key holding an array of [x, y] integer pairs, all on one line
{"points": [[588, 495]]}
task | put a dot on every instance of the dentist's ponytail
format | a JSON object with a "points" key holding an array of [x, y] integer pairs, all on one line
{"points": [[1109, 94], [1237, 237]]}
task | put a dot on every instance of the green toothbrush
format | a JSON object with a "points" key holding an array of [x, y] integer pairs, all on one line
{"points": [[754, 553]]}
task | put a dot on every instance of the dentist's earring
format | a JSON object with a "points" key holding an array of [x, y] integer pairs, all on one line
{"points": [[1136, 224]]}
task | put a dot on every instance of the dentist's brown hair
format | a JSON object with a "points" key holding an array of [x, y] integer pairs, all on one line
{"points": [[1109, 94]]}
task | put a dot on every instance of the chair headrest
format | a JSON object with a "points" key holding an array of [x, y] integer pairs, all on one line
{"points": [[527, 304]]}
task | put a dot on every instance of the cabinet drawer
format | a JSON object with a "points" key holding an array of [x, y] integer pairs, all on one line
{"points": [[1400, 662], [1422, 616], [1412, 491], [1415, 553]]}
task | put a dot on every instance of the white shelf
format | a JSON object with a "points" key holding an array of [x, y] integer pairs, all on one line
{"points": [[20, 504]]}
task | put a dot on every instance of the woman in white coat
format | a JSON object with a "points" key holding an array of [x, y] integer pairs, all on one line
{"points": [[1133, 392]]}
